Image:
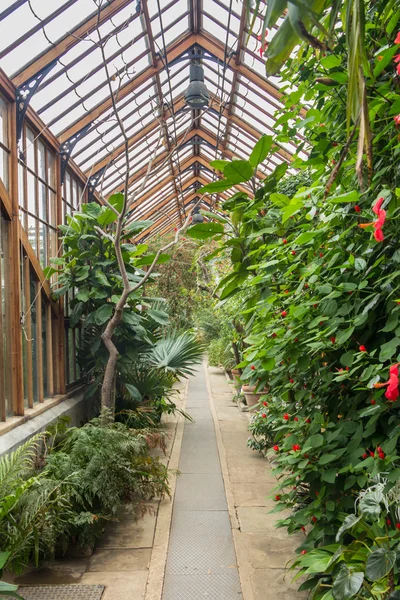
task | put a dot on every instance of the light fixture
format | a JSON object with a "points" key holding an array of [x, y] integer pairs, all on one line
{"points": [[197, 95], [196, 216]]}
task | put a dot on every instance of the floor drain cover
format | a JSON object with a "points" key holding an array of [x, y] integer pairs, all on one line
{"points": [[61, 592]]}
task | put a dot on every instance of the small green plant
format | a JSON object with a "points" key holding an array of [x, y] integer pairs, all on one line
{"points": [[7, 589], [363, 563]]}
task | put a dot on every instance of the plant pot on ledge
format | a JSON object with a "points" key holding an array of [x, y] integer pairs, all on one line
{"points": [[253, 397]]}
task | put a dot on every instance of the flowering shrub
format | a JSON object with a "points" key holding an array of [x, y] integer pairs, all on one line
{"points": [[322, 263]]}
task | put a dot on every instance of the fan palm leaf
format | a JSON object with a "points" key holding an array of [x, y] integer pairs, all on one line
{"points": [[177, 354]]}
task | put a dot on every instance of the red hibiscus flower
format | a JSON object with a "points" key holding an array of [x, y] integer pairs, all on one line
{"points": [[264, 416], [357, 208], [397, 40], [264, 45], [392, 392], [397, 119], [284, 313], [286, 417], [252, 367], [362, 349], [276, 448], [296, 447], [277, 497], [379, 223]]}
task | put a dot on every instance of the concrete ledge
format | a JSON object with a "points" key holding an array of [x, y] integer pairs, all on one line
{"points": [[78, 409]]}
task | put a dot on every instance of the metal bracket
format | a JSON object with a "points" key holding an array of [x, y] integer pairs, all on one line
{"points": [[197, 140], [67, 148], [25, 92], [92, 183], [197, 166], [197, 52]]}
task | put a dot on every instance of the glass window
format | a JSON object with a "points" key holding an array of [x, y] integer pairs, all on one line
{"points": [[4, 143], [6, 408], [37, 196]]}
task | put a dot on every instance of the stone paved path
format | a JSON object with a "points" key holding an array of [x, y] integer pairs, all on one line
{"points": [[201, 561]]}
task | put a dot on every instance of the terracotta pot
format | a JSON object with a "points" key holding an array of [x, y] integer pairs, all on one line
{"points": [[252, 397], [235, 372]]}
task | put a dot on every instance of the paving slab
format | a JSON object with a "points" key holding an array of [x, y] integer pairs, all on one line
{"points": [[119, 585], [119, 559]]}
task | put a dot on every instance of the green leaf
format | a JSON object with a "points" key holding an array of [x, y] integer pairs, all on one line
{"points": [[203, 231], [348, 523], [293, 207], [221, 185], [326, 458], [158, 316], [102, 278], [370, 504], [389, 349], [329, 476], [347, 358], [83, 294], [386, 59], [314, 441], [379, 563], [360, 264], [103, 314], [347, 584], [108, 216], [305, 237], [136, 227], [219, 164], [238, 171], [76, 314], [148, 260], [260, 151], [330, 61], [133, 392], [352, 196]]}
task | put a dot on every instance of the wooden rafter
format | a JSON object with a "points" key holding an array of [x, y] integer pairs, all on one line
{"points": [[162, 118]]}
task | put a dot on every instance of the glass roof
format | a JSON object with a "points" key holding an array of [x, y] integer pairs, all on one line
{"points": [[147, 44]]}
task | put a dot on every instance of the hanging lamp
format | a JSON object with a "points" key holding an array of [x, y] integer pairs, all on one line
{"points": [[197, 94]]}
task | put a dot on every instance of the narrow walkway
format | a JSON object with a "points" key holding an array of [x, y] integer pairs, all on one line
{"points": [[201, 560]]}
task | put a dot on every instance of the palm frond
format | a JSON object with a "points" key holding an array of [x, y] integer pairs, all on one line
{"points": [[13, 465], [177, 354]]}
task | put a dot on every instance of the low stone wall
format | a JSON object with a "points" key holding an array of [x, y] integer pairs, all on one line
{"points": [[78, 409]]}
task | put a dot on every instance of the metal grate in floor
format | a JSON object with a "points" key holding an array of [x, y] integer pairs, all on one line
{"points": [[61, 592]]}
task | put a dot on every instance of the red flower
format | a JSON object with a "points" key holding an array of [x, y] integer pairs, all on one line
{"points": [[365, 455], [308, 420], [264, 416], [379, 223], [291, 380], [320, 254], [371, 453], [373, 402], [314, 519], [388, 522], [264, 45], [357, 208], [265, 403], [284, 241], [284, 313], [380, 57], [286, 417], [334, 144], [277, 497], [295, 419], [252, 368], [392, 392], [381, 455], [362, 349], [315, 305], [175, 229], [293, 252], [379, 449], [296, 447], [274, 335], [276, 448], [333, 339], [397, 40], [306, 285], [397, 119], [303, 529], [286, 291], [303, 552], [397, 525], [317, 493]]}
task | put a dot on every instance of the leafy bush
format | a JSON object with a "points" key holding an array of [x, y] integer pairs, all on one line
{"points": [[65, 495]]}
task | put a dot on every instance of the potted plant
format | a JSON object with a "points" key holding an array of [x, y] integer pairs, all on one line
{"points": [[252, 394]]}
